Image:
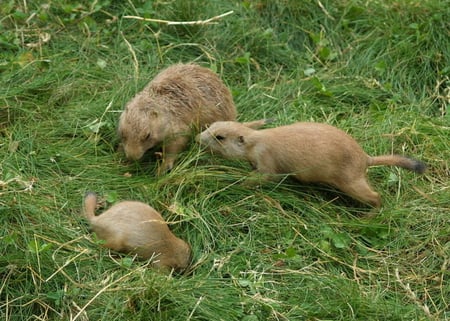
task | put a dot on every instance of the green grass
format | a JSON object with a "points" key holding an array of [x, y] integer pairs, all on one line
{"points": [[380, 70]]}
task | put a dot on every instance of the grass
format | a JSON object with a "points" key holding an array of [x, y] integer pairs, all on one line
{"points": [[377, 69]]}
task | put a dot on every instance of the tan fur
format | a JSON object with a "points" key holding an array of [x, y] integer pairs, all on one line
{"points": [[311, 152], [136, 228], [182, 98]]}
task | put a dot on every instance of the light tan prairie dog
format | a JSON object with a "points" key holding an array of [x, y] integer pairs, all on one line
{"points": [[311, 152], [181, 98], [136, 228]]}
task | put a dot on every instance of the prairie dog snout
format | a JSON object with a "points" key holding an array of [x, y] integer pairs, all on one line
{"points": [[136, 228], [180, 99], [310, 152]]}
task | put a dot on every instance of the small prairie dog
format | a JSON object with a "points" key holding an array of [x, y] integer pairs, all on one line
{"points": [[181, 98], [136, 228], [310, 152]]}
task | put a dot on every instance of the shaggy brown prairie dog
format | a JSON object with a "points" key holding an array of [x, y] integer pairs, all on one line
{"points": [[136, 228], [181, 98], [311, 152]]}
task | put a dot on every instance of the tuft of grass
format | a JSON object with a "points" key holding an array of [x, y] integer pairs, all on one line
{"points": [[278, 251]]}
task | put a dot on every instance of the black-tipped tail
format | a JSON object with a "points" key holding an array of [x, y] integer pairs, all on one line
{"points": [[419, 167], [401, 161]]}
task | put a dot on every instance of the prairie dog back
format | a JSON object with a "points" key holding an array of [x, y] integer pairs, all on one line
{"points": [[136, 228], [310, 152]]}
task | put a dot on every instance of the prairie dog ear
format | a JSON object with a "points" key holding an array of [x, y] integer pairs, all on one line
{"points": [[241, 140], [257, 123]]}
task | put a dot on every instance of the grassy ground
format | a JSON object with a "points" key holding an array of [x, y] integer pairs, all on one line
{"points": [[377, 69]]}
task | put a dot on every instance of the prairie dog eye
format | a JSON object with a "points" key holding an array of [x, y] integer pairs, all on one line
{"points": [[219, 137], [146, 137]]}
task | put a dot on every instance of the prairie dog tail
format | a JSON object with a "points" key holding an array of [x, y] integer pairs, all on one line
{"points": [[258, 123], [396, 160], [90, 202]]}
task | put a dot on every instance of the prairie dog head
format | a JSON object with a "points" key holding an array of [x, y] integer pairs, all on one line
{"points": [[141, 127], [229, 138]]}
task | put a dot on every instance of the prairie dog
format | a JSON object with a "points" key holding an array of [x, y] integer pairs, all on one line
{"points": [[181, 98], [135, 227], [310, 152]]}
